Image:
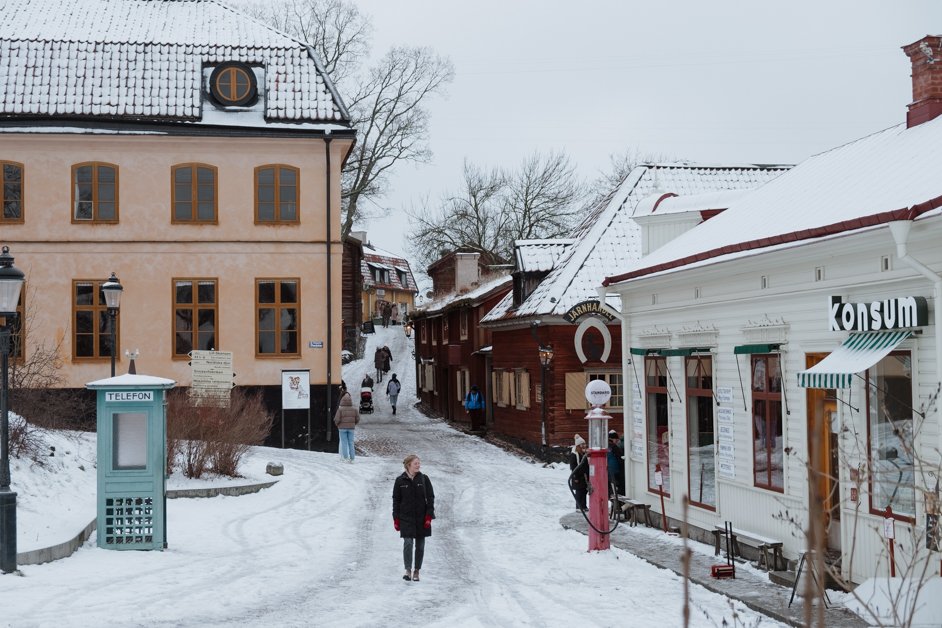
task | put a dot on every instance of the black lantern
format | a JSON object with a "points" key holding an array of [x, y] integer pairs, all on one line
{"points": [[112, 290]]}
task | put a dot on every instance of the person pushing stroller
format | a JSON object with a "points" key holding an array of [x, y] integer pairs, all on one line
{"points": [[366, 395]]}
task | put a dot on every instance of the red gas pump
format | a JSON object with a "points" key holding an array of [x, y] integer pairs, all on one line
{"points": [[598, 392]]}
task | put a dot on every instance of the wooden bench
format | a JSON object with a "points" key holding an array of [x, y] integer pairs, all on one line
{"points": [[630, 510], [769, 550]]}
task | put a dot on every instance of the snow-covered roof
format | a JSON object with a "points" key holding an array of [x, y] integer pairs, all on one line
{"points": [[485, 288], [608, 238], [890, 175], [661, 203], [145, 60], [539, 255], [385, 260], [129, 380]]}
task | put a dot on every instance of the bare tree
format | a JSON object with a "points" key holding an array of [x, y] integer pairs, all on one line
{"points": [[495, 208], [472, 220], [543, 197], [387, 102]]}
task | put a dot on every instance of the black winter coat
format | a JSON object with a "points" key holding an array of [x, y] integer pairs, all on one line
{"points": [[581, 478], [413, 498]]}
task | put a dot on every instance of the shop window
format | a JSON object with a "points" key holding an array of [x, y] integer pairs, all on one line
{"points": [[701, 439], [11, 192], [278, 316], [95, 192], [194, 193], [767, 435], [276, 194], [91, 336], [890, 436], [658, 427], [195, 316]]}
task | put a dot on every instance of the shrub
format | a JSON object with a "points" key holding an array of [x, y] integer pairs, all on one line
{"points": [[204, 437]]}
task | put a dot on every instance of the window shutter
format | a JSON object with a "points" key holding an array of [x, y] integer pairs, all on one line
{"points": [[459, 376], [507, 382], [525, 388], [575, 391]]}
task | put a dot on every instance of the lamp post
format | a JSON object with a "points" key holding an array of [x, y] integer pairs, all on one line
{"points": [[112, 290], [598, 392], [546, 357], [11, 282]]}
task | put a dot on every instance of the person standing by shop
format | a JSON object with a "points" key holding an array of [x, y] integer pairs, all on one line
{"points": [[615, 459], [346, 419], [579, 479], [474, 406], [413, 508], [392, 391]]}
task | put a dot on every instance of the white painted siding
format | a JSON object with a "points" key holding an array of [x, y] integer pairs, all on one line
{"points": [[732, 301]]}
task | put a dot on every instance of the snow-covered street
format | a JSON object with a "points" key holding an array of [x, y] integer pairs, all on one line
{"points": [[319, 548]]}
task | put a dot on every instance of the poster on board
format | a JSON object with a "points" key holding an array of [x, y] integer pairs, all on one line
{"points": [[296, 390]]}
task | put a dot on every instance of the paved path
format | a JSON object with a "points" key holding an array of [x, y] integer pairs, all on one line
{"points": [[754, 590]]}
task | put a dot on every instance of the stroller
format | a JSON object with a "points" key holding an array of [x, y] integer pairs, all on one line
{"points": [[366, 400]]}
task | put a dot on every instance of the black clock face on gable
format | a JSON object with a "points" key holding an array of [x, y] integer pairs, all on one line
{"points": [[233, 85]]}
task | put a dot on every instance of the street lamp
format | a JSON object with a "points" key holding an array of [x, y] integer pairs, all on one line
{"points": [[546, 358], [11, 282], [112, 290]]}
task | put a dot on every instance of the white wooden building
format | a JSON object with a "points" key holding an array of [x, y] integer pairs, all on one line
{"points": [[836, 263]]}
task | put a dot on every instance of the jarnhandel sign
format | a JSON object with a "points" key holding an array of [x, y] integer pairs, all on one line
{"points": [[896, 313], [130, 395]]}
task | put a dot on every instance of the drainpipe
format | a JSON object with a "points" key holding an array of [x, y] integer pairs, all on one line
{"points": [[330, 346], [627, 390], [900, 230]]}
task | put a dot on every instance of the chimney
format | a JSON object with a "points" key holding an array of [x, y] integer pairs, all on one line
{"points": [[926, 57], [359, 235], [467, 271]]}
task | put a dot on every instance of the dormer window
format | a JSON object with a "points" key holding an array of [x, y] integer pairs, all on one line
{"points": [[233, 85]]}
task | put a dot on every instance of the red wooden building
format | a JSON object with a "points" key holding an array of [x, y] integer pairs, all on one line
{"points": [[452, 351]]}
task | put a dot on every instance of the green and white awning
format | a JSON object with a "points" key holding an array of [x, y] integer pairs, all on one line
{"points": [[859, 352]]}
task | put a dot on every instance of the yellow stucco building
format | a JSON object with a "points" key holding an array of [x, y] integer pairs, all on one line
{"points": [[194, 152]]}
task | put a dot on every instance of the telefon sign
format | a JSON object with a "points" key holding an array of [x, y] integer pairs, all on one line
{"points": [[896, 313]]}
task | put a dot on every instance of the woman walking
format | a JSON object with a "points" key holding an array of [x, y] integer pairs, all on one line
{"points": [[346, 419], [413, 511]]}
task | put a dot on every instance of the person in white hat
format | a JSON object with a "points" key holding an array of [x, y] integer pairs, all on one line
{"points": [[580, 467]]}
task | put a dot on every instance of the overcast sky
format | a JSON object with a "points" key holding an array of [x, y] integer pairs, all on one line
{"points": [[709, 81]]}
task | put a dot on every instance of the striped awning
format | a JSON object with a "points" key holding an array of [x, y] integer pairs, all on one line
{"points": [[859, 352]]}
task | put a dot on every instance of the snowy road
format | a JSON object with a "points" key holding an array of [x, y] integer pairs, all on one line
{"points": [[319, 549]]}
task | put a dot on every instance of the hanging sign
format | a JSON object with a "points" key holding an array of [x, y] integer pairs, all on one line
{"points": [[585, 308], [896, 313]]}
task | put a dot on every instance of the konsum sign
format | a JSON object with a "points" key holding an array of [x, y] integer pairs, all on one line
{"points": [[895, 313]]}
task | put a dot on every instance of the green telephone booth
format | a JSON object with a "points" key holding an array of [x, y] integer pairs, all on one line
{"points": [[132, 445]]}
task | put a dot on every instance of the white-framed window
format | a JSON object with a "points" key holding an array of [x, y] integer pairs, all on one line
{"points": [[499, 384], [614, 380], [463, 384], [430, 378], [445, 329]]}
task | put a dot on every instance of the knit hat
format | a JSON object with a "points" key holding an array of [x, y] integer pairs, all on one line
{"points": [[612, 434], [579, 440]]}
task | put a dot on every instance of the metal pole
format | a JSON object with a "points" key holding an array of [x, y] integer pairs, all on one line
{"points": [[543, 403], [7, 497], [113, 313]]}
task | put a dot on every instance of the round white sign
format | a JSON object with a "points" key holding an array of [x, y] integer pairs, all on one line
{"points": [[598, 392]]}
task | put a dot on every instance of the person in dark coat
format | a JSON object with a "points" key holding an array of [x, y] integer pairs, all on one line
{"points": [[379, 358], [615, 459], [579, 463], [413, 502], [387, 358]]}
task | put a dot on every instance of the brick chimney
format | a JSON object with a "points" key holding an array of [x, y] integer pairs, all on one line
{"points": [[467, 271], [926, 57]]}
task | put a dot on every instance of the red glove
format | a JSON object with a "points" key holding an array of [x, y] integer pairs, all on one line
{"points": [[428, 521], [396, 524]]}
